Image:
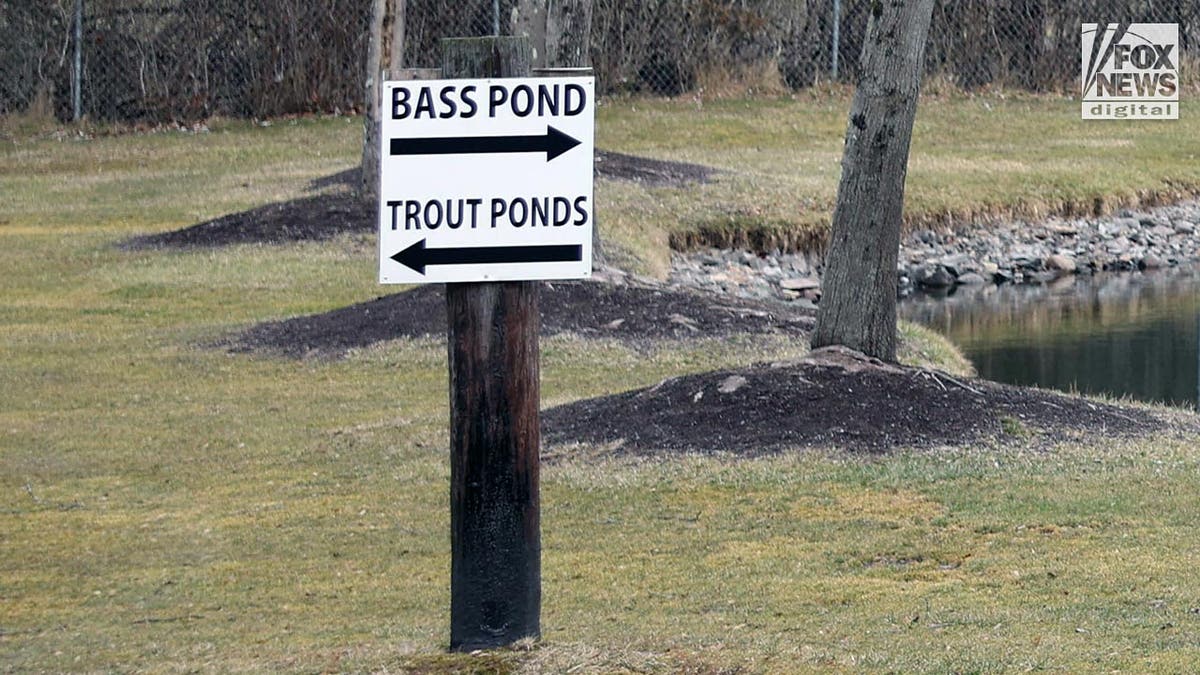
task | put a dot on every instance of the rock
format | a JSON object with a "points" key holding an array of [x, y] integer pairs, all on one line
{"points": [[1153, 221], [971, 279], [1001, 276], [799, 283], [1124, 224], [1150, 262], [614, 324], [1185, 227], [731, 384], [1027, 257], [1060, 263], [958, 264], [934, 276]]}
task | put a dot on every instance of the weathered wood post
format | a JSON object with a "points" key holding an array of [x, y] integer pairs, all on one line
{"points": [[495, 432]]}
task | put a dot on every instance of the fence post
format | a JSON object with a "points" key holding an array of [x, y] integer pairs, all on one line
{"points": [[495, 434], [77, 75]]}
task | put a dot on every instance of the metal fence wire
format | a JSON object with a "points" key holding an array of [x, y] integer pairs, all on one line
{"points": [[174, 60]]}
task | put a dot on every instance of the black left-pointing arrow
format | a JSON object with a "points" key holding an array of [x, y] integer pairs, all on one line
{"points": [[417, 257], [553, 143]]}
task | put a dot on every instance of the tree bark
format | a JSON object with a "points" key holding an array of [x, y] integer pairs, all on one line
{"points": [[559, 31], [529, 21], [385, 54], [568, 33], [858, 301], [369, 179], [560, 34], [399, 24]]}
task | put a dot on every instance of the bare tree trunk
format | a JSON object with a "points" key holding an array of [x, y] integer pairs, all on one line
{"points": [[369, 185], [399, 22], [385, 52], [529, 20], [858, 302], [568, 33], [560, 35], [559, 31]]}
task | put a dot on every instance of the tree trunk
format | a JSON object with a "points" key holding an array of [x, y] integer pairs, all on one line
{"points": [[385, 53], [399, 24], [858, 302], [529, 21], [369, 180], [568, 33], [560, 35], [559, 31]]}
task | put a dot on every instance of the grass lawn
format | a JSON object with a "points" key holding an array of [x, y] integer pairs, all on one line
{"points": [[973, 159], [168, 507]]}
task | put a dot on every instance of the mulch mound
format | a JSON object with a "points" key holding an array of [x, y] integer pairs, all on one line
{"points": [[834, 398], [630, 312], [315, 218], [327, 215]]}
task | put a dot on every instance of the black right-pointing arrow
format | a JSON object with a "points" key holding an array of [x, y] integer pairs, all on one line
{"points": [[553, 143], [417, 257]]}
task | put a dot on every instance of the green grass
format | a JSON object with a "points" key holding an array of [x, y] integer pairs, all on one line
{"points": [[167, 507]]}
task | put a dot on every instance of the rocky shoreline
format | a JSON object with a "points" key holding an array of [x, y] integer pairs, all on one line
{"points": [[1017, 252]]}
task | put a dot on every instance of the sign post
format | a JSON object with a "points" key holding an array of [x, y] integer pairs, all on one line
{"points": [[486, 184]]}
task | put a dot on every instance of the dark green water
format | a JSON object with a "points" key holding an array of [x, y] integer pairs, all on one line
{"points": [[1132, 335]]}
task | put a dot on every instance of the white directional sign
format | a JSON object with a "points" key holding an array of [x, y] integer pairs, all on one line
{"points": [[486, 180]]}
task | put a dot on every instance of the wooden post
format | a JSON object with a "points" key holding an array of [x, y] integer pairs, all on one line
{"points": [[495, 432]]}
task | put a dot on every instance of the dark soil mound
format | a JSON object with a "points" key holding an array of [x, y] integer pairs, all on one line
{"points": [[312, 218], [652, 172], [324, 216], [630, 312], [833, 398]]}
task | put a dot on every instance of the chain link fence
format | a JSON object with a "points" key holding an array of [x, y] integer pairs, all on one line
{"points": [[170, 60]]}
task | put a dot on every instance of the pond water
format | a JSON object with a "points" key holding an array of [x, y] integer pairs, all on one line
{"points": [[1135, 335]]}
